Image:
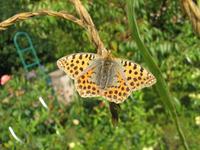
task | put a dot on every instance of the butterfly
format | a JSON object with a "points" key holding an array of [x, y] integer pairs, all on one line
{"points": [[111, 78]]}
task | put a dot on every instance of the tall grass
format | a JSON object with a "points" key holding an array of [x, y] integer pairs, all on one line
{"points": [[161, 85]]}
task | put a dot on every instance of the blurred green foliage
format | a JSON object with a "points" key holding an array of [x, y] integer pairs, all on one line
{"points": [[55, 129], [144, 123]]}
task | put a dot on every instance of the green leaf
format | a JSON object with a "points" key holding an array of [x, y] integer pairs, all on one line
{"points": [[161, 86]]}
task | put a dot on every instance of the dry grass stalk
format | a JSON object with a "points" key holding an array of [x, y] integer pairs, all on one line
{"points": [[193, 12], [26, 15], [85, 21]]}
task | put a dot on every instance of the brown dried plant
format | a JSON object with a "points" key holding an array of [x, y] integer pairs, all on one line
{"points": [[193, 13]]}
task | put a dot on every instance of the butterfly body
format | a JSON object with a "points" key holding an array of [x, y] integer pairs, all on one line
{"points": [[111, 78], [104, 73]]}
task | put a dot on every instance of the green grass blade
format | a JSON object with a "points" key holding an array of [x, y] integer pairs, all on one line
{"points": [[161, 84]]}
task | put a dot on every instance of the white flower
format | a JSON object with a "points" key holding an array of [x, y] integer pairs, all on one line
{"points": [[71, 145], [197, 120], [75, 121], [147, 148]]}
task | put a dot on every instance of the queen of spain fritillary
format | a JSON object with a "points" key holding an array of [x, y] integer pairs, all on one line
{"points": [[106, 76]]}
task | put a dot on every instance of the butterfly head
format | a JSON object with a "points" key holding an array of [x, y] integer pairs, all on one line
{"points": [[107, 54]]}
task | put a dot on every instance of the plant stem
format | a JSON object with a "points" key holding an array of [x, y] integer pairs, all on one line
{"points": [[161, 84], [198, 3]]}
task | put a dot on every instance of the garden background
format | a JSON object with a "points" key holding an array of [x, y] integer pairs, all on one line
{"points": [[86, 123]]}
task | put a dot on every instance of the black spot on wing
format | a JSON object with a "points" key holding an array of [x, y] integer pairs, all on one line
{"points": [[134, 66], [76, 72], [132, 83], [81, 56], [129, 78], [141, 69], [90, 57], [125, 63]]}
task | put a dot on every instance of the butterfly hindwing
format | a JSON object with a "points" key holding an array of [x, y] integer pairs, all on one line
{"points": [[137, 77], [74, 64], [117, 93], [85, 86]]}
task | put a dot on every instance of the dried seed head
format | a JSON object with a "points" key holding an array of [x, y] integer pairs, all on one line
{"points": [[193, 12]]}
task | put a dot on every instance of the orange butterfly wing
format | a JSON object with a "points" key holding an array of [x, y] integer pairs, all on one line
{"points": [[137, 77], [119, 92], [74, 64], [85, 86]]}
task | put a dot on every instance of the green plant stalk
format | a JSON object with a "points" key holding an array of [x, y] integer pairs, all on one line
{"points": [[198, 3], [161, 84]]}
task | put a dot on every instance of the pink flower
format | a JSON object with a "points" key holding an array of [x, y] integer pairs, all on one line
{"points": [[5, 78]]}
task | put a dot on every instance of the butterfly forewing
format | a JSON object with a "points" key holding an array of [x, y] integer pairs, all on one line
{"points": [[136, 76], [74, 64]]}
